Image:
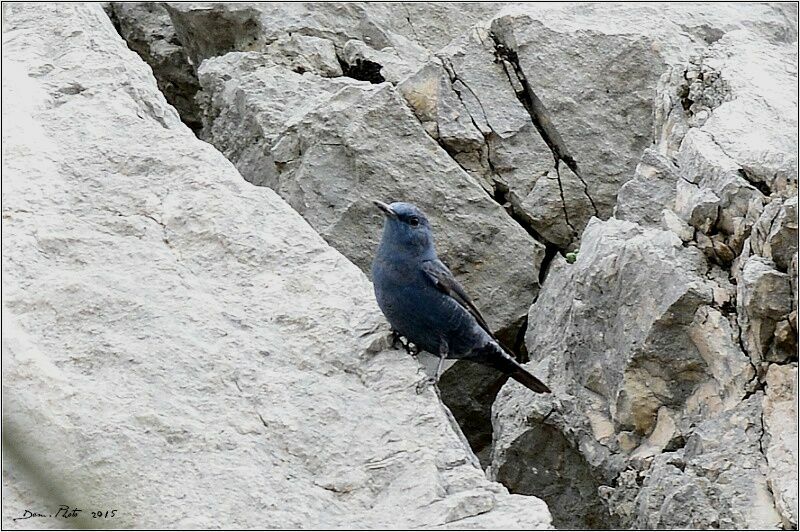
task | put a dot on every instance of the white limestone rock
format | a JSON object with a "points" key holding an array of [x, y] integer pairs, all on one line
{"points": [[780, 439], [174, 337], [764, 299]]}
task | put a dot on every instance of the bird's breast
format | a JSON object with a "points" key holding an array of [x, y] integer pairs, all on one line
{"points": [[418, 310]]}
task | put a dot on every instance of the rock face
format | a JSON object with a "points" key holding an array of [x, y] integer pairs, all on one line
{"points": [[174, 335], [716, 481], [623, 334], [330, 144], [671, 343], [780, 424], [615, 186]]}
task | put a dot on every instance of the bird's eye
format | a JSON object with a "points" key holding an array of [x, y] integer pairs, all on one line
{"points": [[413, 221]]}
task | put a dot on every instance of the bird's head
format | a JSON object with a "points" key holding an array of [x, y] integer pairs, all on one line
{"points": [[406, 227]]}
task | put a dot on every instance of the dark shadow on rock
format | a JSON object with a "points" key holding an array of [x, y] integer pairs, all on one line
{"points": [[468, 390], [543, 463]]}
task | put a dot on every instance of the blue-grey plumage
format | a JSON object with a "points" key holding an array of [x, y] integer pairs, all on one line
{"points": [[423, 302]]}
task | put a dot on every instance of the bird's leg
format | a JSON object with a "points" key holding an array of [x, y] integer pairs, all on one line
{"points": [[442, 356], [433, 381]]}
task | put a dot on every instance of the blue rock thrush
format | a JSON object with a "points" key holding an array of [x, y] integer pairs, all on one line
{"points": [[423, 302]]}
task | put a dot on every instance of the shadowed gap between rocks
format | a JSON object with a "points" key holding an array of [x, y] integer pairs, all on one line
{"points": [[473, 411], [558, 474], [469, 390], [176, 72], [362, 70]]}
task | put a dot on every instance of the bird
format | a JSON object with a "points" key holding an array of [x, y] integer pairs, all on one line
{"points": [[423, 302]]}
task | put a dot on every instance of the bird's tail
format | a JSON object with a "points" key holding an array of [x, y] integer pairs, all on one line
{"points": [[494, 356]]}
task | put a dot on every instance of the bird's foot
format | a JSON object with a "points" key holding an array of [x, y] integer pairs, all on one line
{"points": [[410, 348], [426, 382], [396, 339]]}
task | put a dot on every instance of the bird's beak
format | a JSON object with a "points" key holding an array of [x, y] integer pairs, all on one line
{"points": [[385, 208]]}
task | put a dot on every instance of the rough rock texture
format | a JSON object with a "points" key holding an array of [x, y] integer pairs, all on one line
{"points": [[658, 141], [765, 298], [671, 343], [174, 335], [643, 198], [623, 337], [716, 481], [373, 41], [250, 104], [780, 423]]}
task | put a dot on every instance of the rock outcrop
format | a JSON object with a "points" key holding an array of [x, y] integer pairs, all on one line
{"points": [[674, 332], [173, 335], [615, 185]]}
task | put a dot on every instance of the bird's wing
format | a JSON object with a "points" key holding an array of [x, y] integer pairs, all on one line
{"points": [[443, 279]]}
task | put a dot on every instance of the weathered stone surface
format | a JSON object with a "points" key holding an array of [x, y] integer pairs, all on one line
{"points": [[780, 439], [718, 480], [670, 342], [330, 146], [465, 99], [558, 473], [757, 126], [583, 79], [774, 235], [713, 195], [602, 110], [639, 439], [174, 335], [558, 207], [305, 53], [432, 25], [690, 91], [652, 189], [671, 222], [249, 106], [716, 338], [214, 29], [723, 134], [697, 206], [619, 264], [236, 86], [764, 298], [625, 337], [620, 420], [770, 327], [579, 61], [379, 65], [491, 132]]}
